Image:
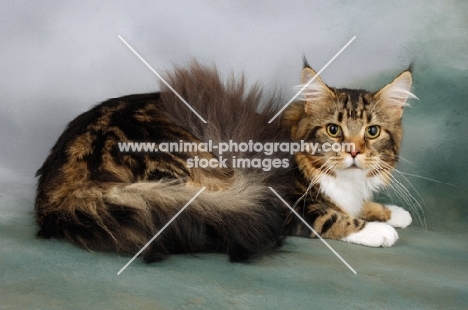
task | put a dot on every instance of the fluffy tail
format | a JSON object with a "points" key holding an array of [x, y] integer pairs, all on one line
{"points": [[242, 221]]}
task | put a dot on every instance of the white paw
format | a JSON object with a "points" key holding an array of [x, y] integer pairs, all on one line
{"points": [[400, 217], [374, 234]]}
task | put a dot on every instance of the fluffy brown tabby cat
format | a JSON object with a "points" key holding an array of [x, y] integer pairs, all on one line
{"points": [[103, 199]]}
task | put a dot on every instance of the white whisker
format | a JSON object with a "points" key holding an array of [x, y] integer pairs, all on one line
{"points": [[406, 161], [406, 195], [426, 178]]}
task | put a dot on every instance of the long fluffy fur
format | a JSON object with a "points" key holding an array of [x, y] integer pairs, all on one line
{"points": [[232, 111], [120, 213]]}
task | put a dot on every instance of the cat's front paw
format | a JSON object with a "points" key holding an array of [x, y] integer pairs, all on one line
{"points": [[400, 217], [374, 234]]}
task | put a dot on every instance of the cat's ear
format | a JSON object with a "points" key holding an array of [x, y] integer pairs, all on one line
{"points": [[394, 96], [316, 92]]}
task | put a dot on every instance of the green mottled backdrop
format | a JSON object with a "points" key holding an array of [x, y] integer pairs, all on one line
{"points": [[435, 147], [59, 58], [436, 141]]}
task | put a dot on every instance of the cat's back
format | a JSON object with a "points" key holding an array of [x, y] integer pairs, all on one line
{"points": [[107, 118]]}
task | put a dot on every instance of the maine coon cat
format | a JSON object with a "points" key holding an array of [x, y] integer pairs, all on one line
{"points": [[104, 199]]}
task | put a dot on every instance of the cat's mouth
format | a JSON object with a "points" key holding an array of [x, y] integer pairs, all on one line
{"points": [[353, 166], [351, 163]]}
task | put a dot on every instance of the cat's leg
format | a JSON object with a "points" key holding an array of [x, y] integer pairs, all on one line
{"points": [[379, 227], [400, 217], [374, 234], [390, 214], [333, 224], [375, 212]]}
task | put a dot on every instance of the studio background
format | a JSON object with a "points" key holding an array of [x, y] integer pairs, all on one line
{"points": [[59, 58]]}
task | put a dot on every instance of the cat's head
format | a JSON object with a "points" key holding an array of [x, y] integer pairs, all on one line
{"points": [[335, 120]]}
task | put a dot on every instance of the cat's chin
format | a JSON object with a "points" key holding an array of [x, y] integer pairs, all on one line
{"points": [[350, 163], [353, 167]]}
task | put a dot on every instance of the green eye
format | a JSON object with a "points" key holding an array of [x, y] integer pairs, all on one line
{"points": [[334, 130], [372, 132]]}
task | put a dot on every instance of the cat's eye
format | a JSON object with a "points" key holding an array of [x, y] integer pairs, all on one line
{"points": [[334, 130], [372, 132]]}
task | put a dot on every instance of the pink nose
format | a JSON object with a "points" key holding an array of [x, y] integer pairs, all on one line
{"points": [[354, 153]]}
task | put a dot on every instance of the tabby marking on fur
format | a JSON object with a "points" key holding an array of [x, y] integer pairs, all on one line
{"points": [[339, 185], [104, 200]]}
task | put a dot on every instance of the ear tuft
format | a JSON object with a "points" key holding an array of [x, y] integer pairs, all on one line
{"points": [[395, 95], [315, 92], [305, 63]]}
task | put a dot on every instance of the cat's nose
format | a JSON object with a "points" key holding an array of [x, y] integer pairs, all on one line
{"points": [[354, 153]]}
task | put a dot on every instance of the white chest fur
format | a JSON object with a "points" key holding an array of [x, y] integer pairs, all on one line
{"points": [[350, 188]]}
